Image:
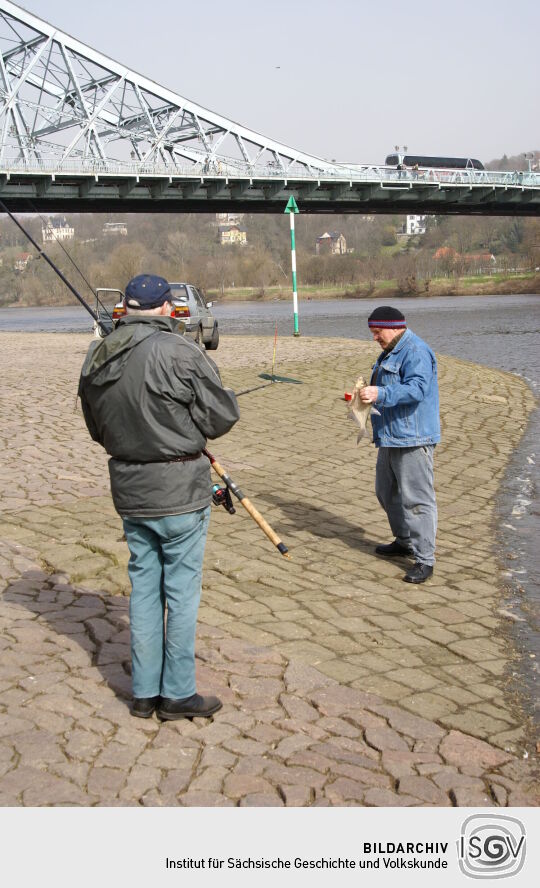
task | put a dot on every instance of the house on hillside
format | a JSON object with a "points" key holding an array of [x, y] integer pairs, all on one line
{"points": [[57, 228], [479, 263], [415, 225], [21, 261], [332, 242], [112, 229], [232, 234], [229, 218], [473, 263]]}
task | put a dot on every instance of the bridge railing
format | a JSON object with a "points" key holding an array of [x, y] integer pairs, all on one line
{"points": [[225, 169]]}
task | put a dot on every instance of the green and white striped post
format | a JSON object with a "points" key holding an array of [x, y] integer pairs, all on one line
{"points": [[291, 209]]}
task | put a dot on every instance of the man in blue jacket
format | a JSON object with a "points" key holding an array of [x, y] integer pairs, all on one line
{"points": [[404, 390]]}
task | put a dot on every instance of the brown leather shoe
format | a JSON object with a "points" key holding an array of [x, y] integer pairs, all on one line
{"points": [[192, 707]]}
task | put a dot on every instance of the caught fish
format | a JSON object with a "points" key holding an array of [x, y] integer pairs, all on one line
{"points": [[360, 410]]}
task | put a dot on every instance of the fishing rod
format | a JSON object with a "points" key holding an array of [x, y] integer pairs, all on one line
{"points": [[221, 499], [71, 259], [230, 485], [63, 278]]}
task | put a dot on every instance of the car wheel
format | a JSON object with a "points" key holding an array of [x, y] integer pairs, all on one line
{"points": [[213, 343]]}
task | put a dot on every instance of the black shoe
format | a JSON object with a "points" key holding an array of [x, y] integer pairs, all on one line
{"points": [[144, 707], [192, 707], [419, 573], [394, 548]]}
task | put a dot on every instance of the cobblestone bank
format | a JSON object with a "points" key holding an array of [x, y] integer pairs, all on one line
{"points": [[287, 735], [328, 663]]}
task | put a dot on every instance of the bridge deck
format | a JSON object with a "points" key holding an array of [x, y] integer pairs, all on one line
{"points": [[373, 190]]}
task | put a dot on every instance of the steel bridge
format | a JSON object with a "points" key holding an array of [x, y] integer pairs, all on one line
{"points": [[80, 132]]}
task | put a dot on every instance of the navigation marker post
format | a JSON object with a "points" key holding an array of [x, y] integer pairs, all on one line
{"points": [[291, 209]]}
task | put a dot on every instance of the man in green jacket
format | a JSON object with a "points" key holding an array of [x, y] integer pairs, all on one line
{"points": [[151, 398]]}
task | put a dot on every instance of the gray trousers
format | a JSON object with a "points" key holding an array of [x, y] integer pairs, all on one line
{"points": [[404, 488]]}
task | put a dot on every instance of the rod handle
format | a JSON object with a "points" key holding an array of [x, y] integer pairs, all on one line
{"points": [[248, 506], [265, 527]]}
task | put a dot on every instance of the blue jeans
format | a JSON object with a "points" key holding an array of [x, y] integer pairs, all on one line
{"points": [[165, 569], [404, 488]]}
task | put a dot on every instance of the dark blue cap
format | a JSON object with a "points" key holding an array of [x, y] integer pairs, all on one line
{"points": [[147, 291]]}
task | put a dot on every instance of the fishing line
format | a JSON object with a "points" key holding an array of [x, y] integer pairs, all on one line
{"points": [[270, 376], [55, 268], [60, 244]]}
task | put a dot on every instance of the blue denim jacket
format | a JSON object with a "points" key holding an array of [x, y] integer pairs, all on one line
{"points": [[408, 398]]}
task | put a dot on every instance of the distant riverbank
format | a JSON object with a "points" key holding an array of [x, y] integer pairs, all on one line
{"points": [[474, 285], [525, 283]]}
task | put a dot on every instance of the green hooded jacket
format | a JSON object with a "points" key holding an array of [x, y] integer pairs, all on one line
{"points": [[148, 395]]}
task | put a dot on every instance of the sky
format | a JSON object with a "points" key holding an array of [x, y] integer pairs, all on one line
{"points": [[341, 79]]}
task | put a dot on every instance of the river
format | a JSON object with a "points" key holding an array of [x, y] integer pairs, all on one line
{"points": [[497, 331]]}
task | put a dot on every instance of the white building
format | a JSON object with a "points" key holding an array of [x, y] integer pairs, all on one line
{"points": [[415, 225], [229, 218], [114, 228], [57, 229]]}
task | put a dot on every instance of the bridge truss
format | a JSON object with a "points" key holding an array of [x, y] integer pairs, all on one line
{"points": [[80, 131]]}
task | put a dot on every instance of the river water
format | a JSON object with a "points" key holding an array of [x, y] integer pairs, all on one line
{"points": [[497, 331]]}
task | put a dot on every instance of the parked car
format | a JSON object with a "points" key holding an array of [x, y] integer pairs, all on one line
{"points": [[189, 306], [107, 300]]}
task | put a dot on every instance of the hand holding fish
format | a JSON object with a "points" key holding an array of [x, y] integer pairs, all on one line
{"points": [[369, 394], [360, 409]]}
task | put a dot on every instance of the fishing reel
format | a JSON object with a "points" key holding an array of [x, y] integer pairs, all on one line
{"points": [[221, 496]]}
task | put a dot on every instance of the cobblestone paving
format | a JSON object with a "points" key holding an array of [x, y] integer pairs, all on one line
{"points": [[287, 735], [342, 684]]}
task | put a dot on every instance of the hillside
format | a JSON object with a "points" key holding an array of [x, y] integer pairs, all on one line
{"points": [[187, 247]]}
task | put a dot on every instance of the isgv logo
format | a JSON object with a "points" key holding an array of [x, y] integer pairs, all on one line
{"points": [[491, 846]]}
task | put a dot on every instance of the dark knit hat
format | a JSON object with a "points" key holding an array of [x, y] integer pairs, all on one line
{"points": [[387, 317], [147, 291]]}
